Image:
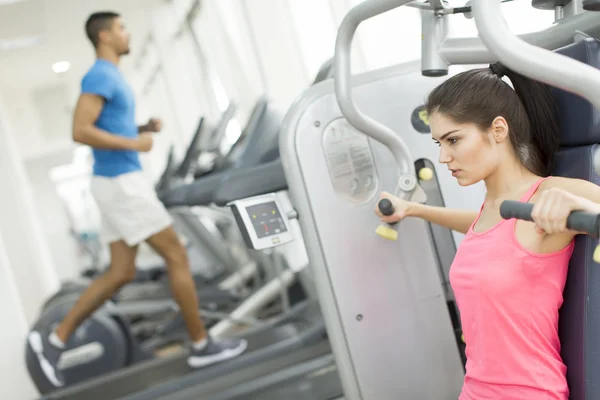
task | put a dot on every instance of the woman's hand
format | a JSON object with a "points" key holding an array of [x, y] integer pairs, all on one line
{"points": [[552, 209], [401, 208]]}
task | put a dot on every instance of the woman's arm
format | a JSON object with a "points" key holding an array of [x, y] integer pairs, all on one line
{"points": [[451, 218], [455, 219], [558, 197]]}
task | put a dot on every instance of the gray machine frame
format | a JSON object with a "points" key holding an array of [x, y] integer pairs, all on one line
{"points": [[383, 306]]}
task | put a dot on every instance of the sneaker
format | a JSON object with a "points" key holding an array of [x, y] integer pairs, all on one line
{"points": [[48, 356], [216, 351]]}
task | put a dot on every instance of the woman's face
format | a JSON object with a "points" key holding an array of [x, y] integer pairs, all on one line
{"points": [[470, 154]]}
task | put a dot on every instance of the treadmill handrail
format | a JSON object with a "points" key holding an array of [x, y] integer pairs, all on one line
{"points": [[242, 183], [531, 61], [343, 86], [192, 150]]}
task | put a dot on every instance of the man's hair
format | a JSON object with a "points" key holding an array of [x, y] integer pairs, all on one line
{"points": [[98, 22]]}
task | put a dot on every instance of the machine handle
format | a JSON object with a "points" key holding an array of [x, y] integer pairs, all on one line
{"points": [[532, 61], [580, 221], [343, 90]]}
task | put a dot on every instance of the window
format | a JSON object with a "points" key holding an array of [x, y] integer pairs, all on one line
{"points": [[270, 23], [187, 80], [155, 96], [316, 32], [239, 35], [520, 17], [390, 38]]}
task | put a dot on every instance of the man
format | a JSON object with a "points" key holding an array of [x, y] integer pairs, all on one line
{"points": [[131, 212]]}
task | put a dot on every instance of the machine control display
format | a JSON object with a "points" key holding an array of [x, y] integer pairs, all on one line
{"points": [[263, 221], [266, 219]]}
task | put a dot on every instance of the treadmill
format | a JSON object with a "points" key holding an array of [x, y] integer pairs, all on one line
{"points": [[296, 332], [292, 332], [257, 145], [301, 373]]}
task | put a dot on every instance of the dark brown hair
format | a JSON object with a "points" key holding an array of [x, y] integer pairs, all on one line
{"points": [[98, 22], [478, 96]]}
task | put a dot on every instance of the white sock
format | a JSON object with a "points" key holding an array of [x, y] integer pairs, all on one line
{"points": [[200, 344], [55, 341]]}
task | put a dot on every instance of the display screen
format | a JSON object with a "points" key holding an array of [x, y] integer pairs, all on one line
{"points": [[266, 219]]}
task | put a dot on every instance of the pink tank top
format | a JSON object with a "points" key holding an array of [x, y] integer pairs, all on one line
{"points": [[509, 299]]}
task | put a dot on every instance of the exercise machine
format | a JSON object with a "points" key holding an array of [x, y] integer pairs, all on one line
{"points": [[261, 207], [384, 306], [296, 336], [213, 229], [260, 203], [259, 148]]}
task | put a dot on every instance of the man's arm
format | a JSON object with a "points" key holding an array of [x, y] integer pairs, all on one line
{"points": [[452, 218], [88, 109]]}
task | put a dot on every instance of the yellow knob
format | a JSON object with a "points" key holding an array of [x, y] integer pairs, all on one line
{"points": [[386, 232], [425, 174], [462, 337], [597, 254]]}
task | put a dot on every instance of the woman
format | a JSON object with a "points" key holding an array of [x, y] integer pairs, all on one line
{"points": [[508, 275]]}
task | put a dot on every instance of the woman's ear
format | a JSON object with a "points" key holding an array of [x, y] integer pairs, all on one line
{"points": [[499, 129]]}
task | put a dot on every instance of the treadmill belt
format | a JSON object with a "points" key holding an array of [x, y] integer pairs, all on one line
{"points": [[316, 379], [158, 371], [287, 366]]}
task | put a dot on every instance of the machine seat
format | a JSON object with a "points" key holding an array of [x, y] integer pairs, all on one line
{"points": [[579, 318]]}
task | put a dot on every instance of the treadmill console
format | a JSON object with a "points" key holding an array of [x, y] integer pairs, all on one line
{"points": [[262, 221]]}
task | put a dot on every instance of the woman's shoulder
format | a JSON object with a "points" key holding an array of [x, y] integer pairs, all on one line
{"points": [[572, 185]]}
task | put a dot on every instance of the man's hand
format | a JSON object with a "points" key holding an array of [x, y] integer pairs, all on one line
{"points": [[153, 125], [144, 142]]}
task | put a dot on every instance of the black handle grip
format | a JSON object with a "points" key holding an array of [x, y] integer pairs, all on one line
{"points": [[580, 221], [386, 207]]}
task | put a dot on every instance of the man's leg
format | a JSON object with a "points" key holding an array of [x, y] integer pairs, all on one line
{"points": [[167, 245], [50, 344], [121, 272], [204, 350]]}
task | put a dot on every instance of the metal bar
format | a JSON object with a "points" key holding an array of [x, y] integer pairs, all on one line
{"points": [[473, 51], [239, 277], [574, 7], [437, 4], [254, 303], [434, 30], [343, 87], [532, 61]]}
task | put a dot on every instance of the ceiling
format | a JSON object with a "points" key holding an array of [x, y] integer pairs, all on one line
{"points": [[59, 26]]}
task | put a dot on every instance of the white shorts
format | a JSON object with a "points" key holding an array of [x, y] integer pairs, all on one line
{"points": [[129, 208]]}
